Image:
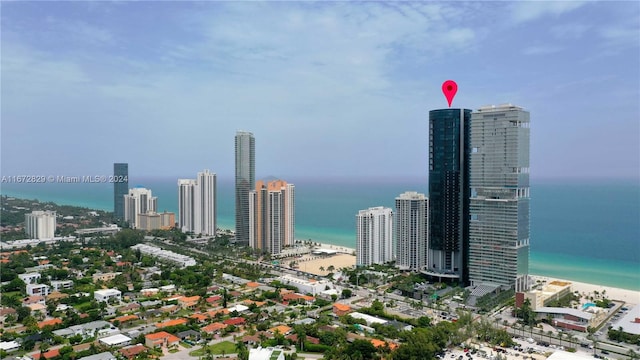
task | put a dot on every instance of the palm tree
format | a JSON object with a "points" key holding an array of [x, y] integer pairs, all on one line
{"points": [[321, 268], [549, 333], [331, 268]]}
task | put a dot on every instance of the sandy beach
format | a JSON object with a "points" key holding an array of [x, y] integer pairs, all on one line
{"points": [[312, 264], [346, 258], [612, 293]]}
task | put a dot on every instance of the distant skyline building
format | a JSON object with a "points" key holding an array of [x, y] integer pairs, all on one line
{"points": [[411, 231], [138, 201], [374, 236], [40, 224], [120, 188], [155, 221], [499, 207], [197, 204], [245, 183], [272, 216], [449, 192]]}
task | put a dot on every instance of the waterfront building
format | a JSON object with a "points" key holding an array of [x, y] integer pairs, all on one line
{"points": [[120, 187], [138, 201], [186, 204], [449, 192], [40, 224], [197, 208], [411, 231], [499, 201], [374, 236], [272, 216], [245, 183], [155, 221]]}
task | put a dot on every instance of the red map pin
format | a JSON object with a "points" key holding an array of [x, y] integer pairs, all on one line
{"points": [[449, 89]]}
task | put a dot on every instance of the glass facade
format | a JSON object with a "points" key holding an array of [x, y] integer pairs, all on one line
{"points": [[120, 188], [449, 192], [245, 183], [499, 207]]}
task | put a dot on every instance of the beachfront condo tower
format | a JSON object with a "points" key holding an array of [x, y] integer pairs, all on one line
{"points": [[245, 183], [374, 236], [499, 207], [120, 188], [272, 216], [448, 195], [197, 210], [138, 201], [40, 224], [411, 231]]}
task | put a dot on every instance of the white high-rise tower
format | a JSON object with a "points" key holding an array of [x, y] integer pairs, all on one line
{"points": [[197, 204], [374, 232], [412, 231]]}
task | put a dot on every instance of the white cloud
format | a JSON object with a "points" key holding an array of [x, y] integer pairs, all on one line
{"points": [[524, 11]]}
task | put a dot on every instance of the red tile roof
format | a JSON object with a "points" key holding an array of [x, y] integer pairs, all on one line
{"points": [[234, 321]]}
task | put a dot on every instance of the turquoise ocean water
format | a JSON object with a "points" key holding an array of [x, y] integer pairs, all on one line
{"points": [[580, 230]]}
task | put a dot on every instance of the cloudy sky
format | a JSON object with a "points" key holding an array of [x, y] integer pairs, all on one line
{"points": [[328, 89]]}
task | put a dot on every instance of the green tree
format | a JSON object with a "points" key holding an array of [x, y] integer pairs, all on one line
{"points": [[346, 293]]}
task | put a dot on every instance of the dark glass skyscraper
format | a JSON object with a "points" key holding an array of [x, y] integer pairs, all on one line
{"points": [[449, 191], [120, 188], [245, 183]]}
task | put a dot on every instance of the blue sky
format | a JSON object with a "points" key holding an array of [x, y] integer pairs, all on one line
{"points": [[328, 89]]}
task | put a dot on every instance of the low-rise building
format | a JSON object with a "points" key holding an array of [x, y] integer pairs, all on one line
{"points": [[9, 346], [38, 289], [544, 294], [266, 354], [59, 285], [117, 340], [161, 339], [30, 277], [101, 356], [313, 287], [341, 309], [105, 276], [107, 295], [567, 318]]}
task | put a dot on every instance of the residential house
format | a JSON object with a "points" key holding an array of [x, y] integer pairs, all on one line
{"points": [[161, 339], [214, 328], [341, 309], [131, 352], [107, 295]]}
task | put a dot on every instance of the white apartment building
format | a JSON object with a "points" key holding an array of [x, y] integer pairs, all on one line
{"points": [[138, 201], [40, 224], [165, 255], [107, 295], [197, 209], [30, 278], [59, 285], [374, 236], [38, 289], [411, 231]]}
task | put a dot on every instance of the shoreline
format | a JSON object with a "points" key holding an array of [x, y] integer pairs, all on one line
{"points": [[611, 293], [539, 265]]}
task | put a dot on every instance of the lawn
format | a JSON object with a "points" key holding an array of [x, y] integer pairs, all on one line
{"points": [[226, 347]]}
